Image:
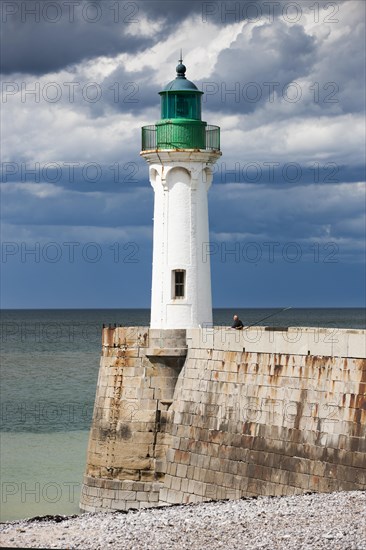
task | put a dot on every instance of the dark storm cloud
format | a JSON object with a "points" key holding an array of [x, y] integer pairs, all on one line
{"points": [[303, 213], [33, 44], [48, 205], [284, 175], [119, 178], [259, 66], [41, 36]]}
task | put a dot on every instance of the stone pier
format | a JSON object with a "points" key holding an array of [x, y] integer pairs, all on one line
{"points": [[204, 414]]}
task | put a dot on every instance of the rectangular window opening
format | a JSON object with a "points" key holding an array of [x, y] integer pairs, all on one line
{"points": [[179, 281]]}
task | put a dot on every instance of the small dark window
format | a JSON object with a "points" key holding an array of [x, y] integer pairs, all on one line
{"points": [[179, 283]]}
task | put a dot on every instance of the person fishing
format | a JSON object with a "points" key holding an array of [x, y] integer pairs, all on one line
{"points": [[237, 323]]}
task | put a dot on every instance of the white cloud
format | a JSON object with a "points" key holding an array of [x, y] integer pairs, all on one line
{"points": [[39, 190]]}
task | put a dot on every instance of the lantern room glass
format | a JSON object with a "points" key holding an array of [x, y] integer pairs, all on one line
{"points": [[181, 105]]}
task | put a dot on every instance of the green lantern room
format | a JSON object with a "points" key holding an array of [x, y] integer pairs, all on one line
{"points": [[180, 126]]}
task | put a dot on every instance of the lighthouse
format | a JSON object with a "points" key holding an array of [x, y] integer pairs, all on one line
{"points": [[180, 149]]}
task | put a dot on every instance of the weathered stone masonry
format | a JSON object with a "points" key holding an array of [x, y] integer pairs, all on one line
{"points": [[187, 416], [128, 441]]}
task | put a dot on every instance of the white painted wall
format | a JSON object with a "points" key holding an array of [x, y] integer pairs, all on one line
{"points": [[180, 180]]}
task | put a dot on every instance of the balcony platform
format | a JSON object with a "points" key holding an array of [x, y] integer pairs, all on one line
{"points": [[180, 136]]}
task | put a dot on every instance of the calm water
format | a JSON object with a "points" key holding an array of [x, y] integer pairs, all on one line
{"points": [[50, 361]]}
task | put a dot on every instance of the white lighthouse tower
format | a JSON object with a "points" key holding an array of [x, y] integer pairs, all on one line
{"points": [[181, 150]]}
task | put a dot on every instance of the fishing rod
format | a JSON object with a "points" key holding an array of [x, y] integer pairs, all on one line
{"points": [[268, 316]]}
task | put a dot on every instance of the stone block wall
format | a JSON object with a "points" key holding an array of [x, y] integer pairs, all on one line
{"points": [[249, 423], [214, 413], [128, 441]]}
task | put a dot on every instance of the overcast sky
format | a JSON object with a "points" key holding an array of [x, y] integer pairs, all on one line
{"points": [[283, 80]]}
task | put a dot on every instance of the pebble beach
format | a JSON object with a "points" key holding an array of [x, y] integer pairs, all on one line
{"points": [[334, 521]]}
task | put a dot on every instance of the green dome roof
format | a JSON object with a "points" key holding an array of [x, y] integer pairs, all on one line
{"points": [[180, 83]]}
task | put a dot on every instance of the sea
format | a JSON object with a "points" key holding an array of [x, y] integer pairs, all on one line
{"points": [[49, 370]]}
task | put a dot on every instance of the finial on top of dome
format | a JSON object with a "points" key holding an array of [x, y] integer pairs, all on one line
{"points": [[181, 69]]}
